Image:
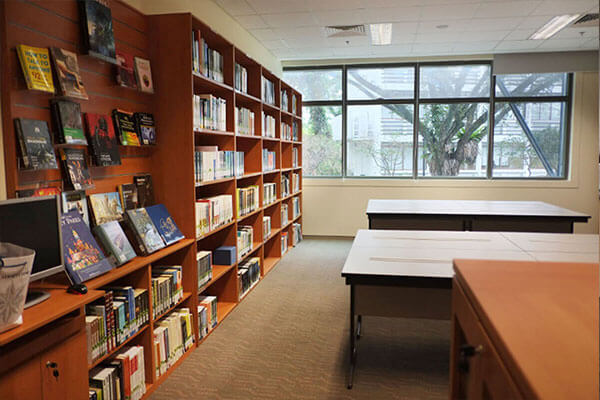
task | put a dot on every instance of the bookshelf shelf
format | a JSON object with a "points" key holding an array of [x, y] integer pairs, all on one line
{"points": [[186, 295], [271, 204], [251, 252], [270, 262], [150, 388], [273, 234], [228, 225], [287, 169], [287, 224], [242, 297], [213, 132], [243, 217], [271, 172], [116, 349], [250, 175], [215, 182], [247, 97], [248, 137], [270, 139], [223, 310], [270, 107], [218, 272], [203, 82]]}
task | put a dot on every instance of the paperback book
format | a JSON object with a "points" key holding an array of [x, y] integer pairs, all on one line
{"points": [[67, 118], [67, 72], [146, 127], [163, 221], [145, 190], [128, 196], [106, 207], [143, 74], [105, 147], [82, 255], [125, 127], [76, 200], [76, 168], [35, 63], [115, 242], [36, 145], [125, 70], [98, 36], [145, 234]]}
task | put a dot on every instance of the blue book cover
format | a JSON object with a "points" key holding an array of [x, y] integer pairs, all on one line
{"points": [[164, 224], [83, 258]]}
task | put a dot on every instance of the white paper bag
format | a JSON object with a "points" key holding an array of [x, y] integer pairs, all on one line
{"points": [[15, 267]]}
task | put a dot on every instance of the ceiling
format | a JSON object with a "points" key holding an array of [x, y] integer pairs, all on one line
{"points": [[293, 29]]}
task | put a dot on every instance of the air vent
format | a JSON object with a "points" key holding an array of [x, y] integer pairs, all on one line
{"points": [[345, 30], [586, 20]]}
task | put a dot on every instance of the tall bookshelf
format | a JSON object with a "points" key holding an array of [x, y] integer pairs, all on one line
{"points": [[166, 41]]}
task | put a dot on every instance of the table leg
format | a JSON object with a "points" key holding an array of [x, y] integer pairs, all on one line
{"points": [[352, 340]]}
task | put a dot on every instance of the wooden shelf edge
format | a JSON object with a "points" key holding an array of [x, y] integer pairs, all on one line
{"points": [[186, 295], [212, 82], [251, 137], [116, 349], [274, 233], [222, 270], [220, 228], [215, 182], [243, 217], [248, 254], [271, 172], [213, 132], [163, 377], [270, 263]]}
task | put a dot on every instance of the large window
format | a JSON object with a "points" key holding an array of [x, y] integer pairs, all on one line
{"points": [[433, 120]]}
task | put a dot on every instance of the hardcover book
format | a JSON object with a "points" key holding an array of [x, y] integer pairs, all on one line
{"points": [[46, 191], [36, 146], [76, 168], [164, 224], [125, 127], [67, 73], [105, 147], [76, 200], [128, 196], [146, 128], [145, 190], [145, 232], [126, 70], [67, 117], [83, 258], [143, 74], [106, 207], [115, 242], [35, 63], [98, 36]]}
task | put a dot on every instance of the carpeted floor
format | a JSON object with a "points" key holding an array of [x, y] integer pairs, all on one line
{"points": [[289, 340]]}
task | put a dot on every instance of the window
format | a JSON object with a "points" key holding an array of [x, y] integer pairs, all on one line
{"points": [[359, 121]]}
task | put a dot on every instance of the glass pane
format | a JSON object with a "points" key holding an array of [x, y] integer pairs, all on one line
{"points": [[531, 85], [453, 139], [322, 141], [380, 140], [381, 83], [515, 154], [450, 81], [316, 84]]}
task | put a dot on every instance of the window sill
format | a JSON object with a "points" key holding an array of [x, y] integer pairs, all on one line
{"points": [[441, 182]]}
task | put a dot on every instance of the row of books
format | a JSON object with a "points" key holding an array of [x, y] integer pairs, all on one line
{"points": [[244, 121], [210, 112], [266, 226], [295, 131], [286, 131], [268, 160], [123, 377], [204, 266], [206, 61], [241, 78], [114, 318], [269, 193], [295, 159], [167, 288], [212, 213], [296, 233], [245, 240], [284, 214], [268, 126], [284, 242], [209, 313], [172, 337], [248, 275], [211, 164], [247, 200], [268, 91], [295, 206]]}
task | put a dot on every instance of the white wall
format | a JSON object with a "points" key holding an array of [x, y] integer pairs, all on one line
{"points": [[337, 206]]}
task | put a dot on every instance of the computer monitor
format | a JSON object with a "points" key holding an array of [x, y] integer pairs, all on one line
{"points": [[34, 223]]}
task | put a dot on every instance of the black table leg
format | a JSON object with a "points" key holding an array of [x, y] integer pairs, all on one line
{"points": [[352, 340]]}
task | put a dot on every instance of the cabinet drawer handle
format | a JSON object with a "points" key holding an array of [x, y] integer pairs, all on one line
{"points": [[465, 353]]}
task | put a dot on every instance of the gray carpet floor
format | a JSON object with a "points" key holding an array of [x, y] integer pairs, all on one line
{"points": [[288, 339]]}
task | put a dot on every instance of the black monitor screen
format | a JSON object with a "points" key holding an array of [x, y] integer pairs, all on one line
{"points": [[34, 223]]}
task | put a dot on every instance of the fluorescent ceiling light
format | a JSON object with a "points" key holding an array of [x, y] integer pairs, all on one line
{"points": [[553, 26], [381, 34]]}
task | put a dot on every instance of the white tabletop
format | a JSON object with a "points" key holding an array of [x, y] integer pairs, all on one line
{"points": [[429, 254], [470, 207]]}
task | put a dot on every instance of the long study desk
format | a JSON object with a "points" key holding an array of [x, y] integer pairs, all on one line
{"points": [[409, 273]]}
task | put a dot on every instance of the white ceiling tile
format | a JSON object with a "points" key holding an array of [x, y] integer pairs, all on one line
{"points": [[432, 48], [251, 21], [274, 44], [506, 9], [520, 34], [492, 24], [516, 45], [340, 5], [448, 12], [401, 50], [281, 6], [556, 7], [563, 44], [301, 43], [236, 7], [438, 37], [338, 17], [475, 47], [347, 41], [290, 20], [591, 44], [534, 22], [305, 32], [575, 32], [482, 36], [389, 3], [393, 14], [404, 28], [264, 34], [353, 51]]}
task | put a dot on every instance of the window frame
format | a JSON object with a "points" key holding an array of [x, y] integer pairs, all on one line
{"points": [[344, 102]]}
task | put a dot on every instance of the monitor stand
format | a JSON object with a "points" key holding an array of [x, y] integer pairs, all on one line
{"points": [[35, 297]]}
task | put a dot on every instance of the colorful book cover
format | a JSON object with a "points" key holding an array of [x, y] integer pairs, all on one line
{"points": [[128, 196], [67, 115], [83, 258], [105, 146], [145, 230], [126, 70], [76, 168], [36, 145], [35, 63], [125, 127], [164, 223], [143, 74], [145, 190], [76, 200], [46, 191], [106, 207], [67, 73], [115, 242], [97, 27], [146, 127]]}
